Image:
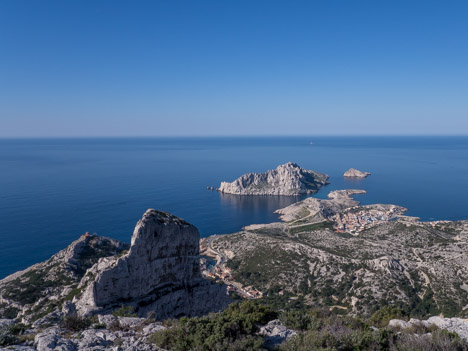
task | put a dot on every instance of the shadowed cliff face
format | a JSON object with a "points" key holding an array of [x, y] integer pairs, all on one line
{"points": [[161, 268]]}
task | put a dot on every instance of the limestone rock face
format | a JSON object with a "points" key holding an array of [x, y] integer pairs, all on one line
{"points": [[160, 273], [288, 179], [355, 173]]}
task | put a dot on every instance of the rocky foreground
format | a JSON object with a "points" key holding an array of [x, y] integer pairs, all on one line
{"points": [[288, 179], [156, 277]]}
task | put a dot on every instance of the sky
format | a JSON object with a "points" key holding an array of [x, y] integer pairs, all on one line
{"points": [[245, 67]]}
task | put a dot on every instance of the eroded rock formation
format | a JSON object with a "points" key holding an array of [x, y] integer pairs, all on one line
{"points": [[159, 274]]}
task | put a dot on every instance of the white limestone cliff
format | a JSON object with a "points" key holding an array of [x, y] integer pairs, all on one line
{"points": [[159, 274]]}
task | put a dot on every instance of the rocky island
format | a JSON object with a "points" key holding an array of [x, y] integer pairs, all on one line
{"points": [[355, 173], [288, 179]]}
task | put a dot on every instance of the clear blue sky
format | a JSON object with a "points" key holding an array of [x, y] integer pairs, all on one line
{"points": [[131, 68]]}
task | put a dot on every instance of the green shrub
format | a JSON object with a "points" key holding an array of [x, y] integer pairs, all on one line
{"points": [[7, 336], [381, 317], [124, 311], [232, 329], [303, 320], [8, 312], [76, 323]]}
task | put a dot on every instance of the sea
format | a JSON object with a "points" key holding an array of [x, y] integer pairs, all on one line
{"points": [[54, 190]]}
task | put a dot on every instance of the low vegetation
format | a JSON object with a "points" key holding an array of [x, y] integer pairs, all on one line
{"points": [[233, 329], [124, 311], [76, 323], [11, 334], [236, 329]]}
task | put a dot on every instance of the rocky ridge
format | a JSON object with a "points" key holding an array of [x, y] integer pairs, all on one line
{"points": [[288, 179]]}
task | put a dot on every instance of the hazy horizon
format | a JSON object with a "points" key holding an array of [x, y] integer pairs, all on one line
{"points": [[237, 136]]}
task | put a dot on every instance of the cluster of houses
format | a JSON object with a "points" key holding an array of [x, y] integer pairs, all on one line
{"points": [[355, 220]]}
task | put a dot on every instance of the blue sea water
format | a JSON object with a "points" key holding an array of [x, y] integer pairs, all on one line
{"points": [[54, 190]]}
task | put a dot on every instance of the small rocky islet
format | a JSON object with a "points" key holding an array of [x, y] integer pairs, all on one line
{"points": [[333, 254], [355, 173]]}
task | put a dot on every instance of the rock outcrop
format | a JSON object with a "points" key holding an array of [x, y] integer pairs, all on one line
{"points": [[288, 179], [456, 325], [356, 173], [114, 333], [160, 273], [275, 333]]}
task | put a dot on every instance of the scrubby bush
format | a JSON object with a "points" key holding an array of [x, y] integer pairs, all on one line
{"points": [[439, 340], [10, 334], [381, 317], [76, 323], [342, 339], [303, 319], [124, 311], [332, 332], [233, 329], [7, 336]]}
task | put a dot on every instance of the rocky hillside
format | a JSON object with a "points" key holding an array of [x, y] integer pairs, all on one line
{"points": [[288, 179], [353, 259], [48, 286]]}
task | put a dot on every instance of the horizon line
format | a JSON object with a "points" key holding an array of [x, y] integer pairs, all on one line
{"points": [[174, 136]]}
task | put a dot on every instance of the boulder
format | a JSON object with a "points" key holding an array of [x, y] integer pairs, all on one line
{"points": [[275, 333]]}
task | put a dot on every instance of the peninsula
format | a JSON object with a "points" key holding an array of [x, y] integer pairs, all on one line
{"points": [[351, 258]]}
